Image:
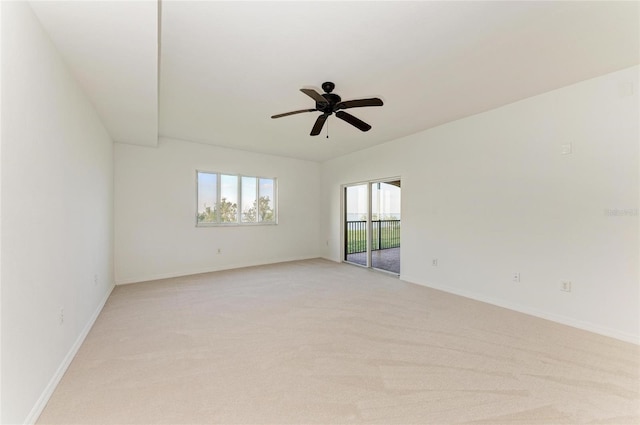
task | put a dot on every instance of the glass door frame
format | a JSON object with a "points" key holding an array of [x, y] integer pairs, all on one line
{"points": [[369, 226]]}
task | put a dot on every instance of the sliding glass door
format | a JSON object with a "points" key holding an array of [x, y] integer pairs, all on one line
{"points": [[356, 201], [385, 226], [372, 225]]}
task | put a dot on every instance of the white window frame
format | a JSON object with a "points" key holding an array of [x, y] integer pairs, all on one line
{"points": [[238, 221]]}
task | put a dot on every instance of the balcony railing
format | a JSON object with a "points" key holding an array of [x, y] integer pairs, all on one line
{"points": [[384, 234]]}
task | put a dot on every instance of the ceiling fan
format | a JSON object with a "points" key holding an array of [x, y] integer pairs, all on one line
{"points": [[328, 103]]}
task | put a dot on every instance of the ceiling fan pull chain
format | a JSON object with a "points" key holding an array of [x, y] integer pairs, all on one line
{"points": [[327, 129]]}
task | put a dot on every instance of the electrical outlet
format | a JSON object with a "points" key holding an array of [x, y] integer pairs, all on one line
{"points": [[566, 149], [516, 277], [434, 262], [565, 285], [61, 318]]}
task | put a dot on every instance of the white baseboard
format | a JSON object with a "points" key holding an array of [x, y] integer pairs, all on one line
{"points": [[569, 321], [208, 269], [53, 383]]}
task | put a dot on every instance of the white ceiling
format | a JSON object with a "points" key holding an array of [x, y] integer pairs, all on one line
{"points": [[112, 50], [226, 67]]}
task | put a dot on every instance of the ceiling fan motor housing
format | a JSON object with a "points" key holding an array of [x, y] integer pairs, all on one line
{"points": [[332, 100]]}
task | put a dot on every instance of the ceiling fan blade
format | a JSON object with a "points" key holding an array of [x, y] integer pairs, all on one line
{"points": [[358, 103], [317, 127], [356, 122], [292, 113], [314, 95]]}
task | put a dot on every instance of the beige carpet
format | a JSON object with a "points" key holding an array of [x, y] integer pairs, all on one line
{"points": [[320, 342]]}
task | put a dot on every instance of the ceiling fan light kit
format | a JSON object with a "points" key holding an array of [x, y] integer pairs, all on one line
{"points": [[329, 103]]}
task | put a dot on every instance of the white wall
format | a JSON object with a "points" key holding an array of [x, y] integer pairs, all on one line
{"points": [[492, 194], [57, 215], [155, 207]]}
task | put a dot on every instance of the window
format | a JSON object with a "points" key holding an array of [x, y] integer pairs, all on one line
{"points": [[249, 197], [225, 199]]}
